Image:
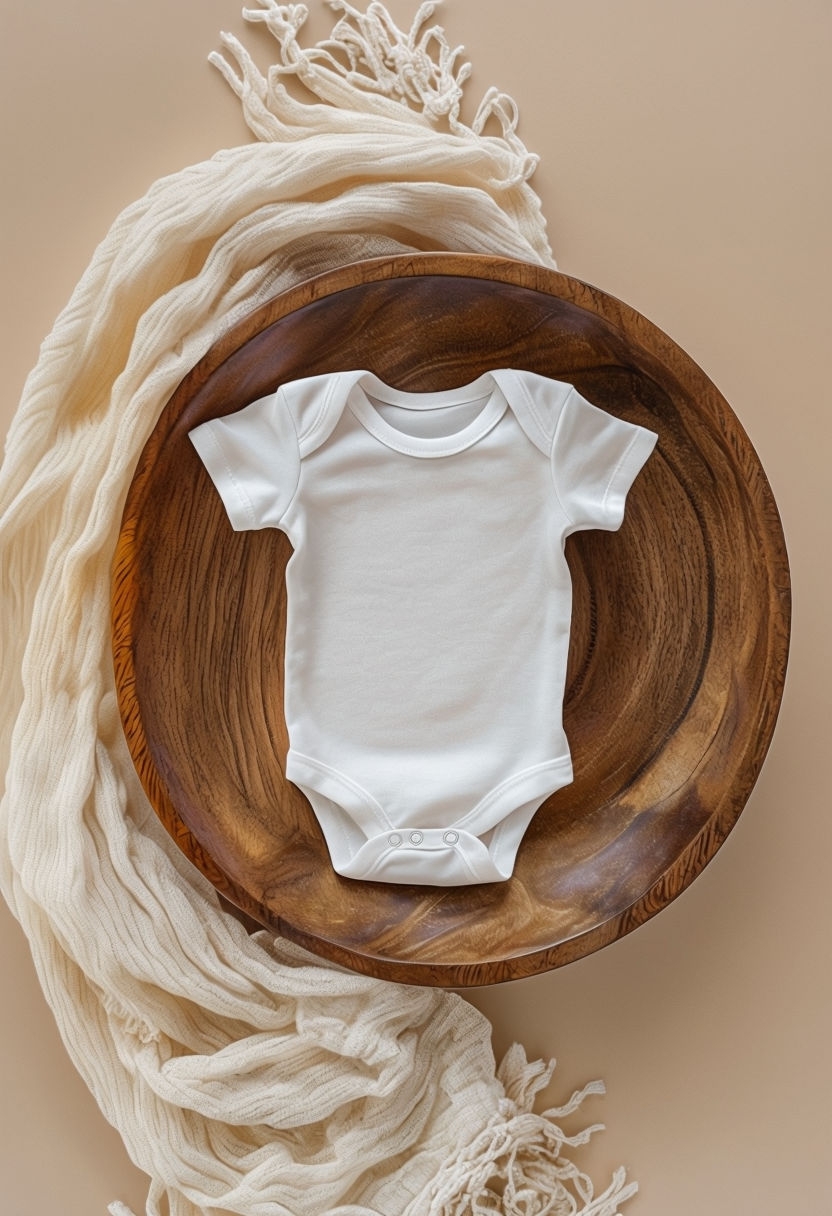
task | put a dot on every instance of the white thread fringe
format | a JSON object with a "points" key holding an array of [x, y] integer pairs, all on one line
{"points": [[516, 1165], [374, 76], [244, 1076]]}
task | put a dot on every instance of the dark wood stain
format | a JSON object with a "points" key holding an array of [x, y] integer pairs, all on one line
{"points": [[678, 647]]}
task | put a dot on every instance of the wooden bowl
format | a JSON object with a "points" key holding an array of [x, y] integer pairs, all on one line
{"points": [[678, 646]]}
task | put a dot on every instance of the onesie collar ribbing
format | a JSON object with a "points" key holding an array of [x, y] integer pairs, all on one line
{"points": [[367, 383]]}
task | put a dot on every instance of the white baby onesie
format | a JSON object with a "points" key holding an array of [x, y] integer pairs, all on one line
{"points": [[429, 600]]}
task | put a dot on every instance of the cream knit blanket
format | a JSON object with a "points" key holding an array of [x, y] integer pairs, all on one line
{"points": [[243, 1075]]}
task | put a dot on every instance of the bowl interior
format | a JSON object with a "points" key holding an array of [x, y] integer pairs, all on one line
{"points": [[677, 650]]}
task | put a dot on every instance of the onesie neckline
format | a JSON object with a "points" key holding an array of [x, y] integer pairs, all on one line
{"points": [[419, 445]]}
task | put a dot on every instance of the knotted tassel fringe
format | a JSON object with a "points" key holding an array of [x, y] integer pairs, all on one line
{"points": [[368, 75], [516, 1166]]}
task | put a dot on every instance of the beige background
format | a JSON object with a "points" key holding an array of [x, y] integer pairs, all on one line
{"points": [[685, 168]]}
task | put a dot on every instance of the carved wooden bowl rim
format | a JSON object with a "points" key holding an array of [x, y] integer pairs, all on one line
{"points": [[436, 936]]}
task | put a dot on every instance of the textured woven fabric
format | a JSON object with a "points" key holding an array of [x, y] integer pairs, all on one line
{"points": [[243, 1075]]}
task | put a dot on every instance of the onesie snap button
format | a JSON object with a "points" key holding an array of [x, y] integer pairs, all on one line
{"points": [[416, 838], [394, 838], [451, 837]]}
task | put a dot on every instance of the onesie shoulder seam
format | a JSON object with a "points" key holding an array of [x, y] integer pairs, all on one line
{"points": [[306, 438], [529, 400], [281, 398], [535, 414], [555, 432]]}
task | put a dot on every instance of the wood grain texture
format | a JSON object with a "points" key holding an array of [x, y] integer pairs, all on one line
{"points": [[677, 654]]}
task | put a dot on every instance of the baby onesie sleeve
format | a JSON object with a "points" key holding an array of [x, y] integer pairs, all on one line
{"points": [[596, 457], [252, 457]]}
